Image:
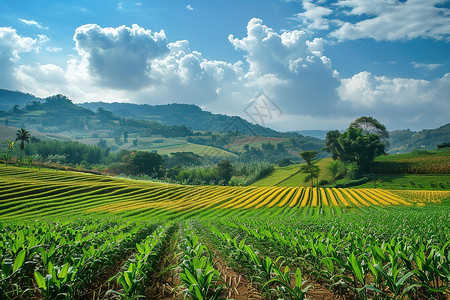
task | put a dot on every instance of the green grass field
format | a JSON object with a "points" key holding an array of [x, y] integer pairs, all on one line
{"points": [[290, 176]]}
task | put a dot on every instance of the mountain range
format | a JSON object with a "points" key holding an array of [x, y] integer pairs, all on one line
{"points": [[193, 117]]}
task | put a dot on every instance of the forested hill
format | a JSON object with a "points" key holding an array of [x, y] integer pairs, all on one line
{"points": [[403, 141], [186, 114], [10, 98]]}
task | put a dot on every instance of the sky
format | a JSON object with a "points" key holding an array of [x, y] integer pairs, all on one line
{"points": [[318, 64]]}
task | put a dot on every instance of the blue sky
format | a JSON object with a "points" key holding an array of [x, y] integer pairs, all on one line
{"points": [[324, 63]]}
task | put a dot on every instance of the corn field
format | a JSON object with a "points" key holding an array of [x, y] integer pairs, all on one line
{"points": [[66, 235]]}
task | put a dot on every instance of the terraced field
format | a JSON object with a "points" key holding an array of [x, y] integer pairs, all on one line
{"points": [[67, 235], [30, 193]]}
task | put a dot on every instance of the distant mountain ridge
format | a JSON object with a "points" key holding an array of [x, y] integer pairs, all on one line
{"points": [[403, 141], [10, 98], [186, 114]]}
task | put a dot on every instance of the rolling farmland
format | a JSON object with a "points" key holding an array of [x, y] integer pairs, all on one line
{"points": [[81, 236]]}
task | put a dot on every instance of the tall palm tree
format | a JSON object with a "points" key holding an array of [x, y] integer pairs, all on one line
{"points": [[23, 136]]}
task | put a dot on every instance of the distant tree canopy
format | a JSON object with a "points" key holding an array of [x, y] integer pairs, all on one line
{"points": [[75, 152], [224, 171], [143, 162], [443, 146], [365, 139], [183, 159]]}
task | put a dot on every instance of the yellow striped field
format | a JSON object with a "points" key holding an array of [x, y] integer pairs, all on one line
{"points": [[31, 193]]}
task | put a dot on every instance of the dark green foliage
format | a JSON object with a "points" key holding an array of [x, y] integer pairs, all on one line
{"points": [[365, 139], [284, 162], [186, 159], [142, 162], [224, 171], [74, 152], [206, 175], [332, 144], [172, 173], [337, 169], [102, 143], [272, 153], [443, 146], [23, 136], [359, 148]]}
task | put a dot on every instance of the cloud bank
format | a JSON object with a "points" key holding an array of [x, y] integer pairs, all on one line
{"points": [[139, 65], [381, 20]]}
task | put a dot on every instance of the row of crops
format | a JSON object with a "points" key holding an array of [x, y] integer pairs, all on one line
{"points": [[30, 193], [391, 253]]}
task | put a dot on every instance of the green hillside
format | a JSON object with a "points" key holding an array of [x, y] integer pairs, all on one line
{"points": [[404, 141]]}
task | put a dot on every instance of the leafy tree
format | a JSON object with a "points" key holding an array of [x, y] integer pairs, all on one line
{"points": [[370, 125], [143, 162], [8, 152], [331, 143], [312, 171], [364, 139], [102, 143], [173, 172], [23, 136], [309, 156], [30, 160], [125, 136], [360, 148], [224, 171], [337, 169]]}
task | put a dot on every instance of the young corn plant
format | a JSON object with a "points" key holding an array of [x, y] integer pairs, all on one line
{"points": [[57, 283], [283, 287], [198, 273]]}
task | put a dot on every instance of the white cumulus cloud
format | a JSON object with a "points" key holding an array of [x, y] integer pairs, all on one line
{"points": [[289, 68], [11, 45], [313, 17], [119, 57], [394, 20], [395, 97]]}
